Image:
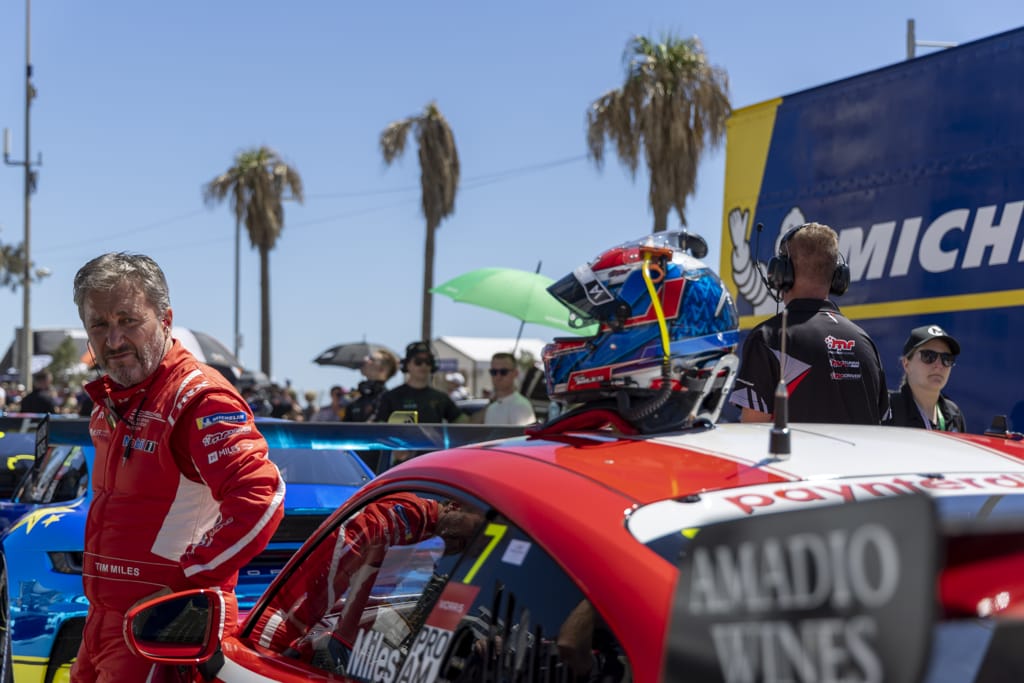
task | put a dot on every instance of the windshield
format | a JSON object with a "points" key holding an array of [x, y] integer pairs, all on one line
{"points": [[332, 467], [61, 476]]}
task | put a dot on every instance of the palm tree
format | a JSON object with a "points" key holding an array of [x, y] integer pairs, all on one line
{"points": [[439, 180], [12, 267], [672, 103], [256, 183]]}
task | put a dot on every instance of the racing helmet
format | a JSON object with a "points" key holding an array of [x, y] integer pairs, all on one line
{"points": [[672, 353]]}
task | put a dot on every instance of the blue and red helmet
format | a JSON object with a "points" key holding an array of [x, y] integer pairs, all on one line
{"points": [[682, 346]]}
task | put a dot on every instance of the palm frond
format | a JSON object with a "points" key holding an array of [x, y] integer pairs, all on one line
{"points": [[674, 105], [439, 180], [392, 139]]}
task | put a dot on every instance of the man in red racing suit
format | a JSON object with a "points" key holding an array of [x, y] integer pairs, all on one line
{"points": [[183, 492]]}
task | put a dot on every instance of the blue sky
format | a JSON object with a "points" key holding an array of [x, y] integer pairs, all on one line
{"points": [[140, 104]]}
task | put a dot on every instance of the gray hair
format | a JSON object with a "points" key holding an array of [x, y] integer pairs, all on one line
{"points": [[106, 272]]}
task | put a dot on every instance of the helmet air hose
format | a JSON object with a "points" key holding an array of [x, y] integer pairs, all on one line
{"points": [[665, 390]]}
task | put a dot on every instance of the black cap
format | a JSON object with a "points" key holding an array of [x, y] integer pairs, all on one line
{"points": [[919, 335], [418, 347]]}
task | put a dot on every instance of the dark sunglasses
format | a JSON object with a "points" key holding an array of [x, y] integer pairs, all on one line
{"points": [[499, 371], [928, 357], [420, 360]]}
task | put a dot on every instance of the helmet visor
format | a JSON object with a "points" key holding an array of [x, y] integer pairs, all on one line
{"points": [[584, 295]]}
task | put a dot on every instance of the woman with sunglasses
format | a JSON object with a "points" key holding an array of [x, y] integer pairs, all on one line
{"points": [[928, 357]]}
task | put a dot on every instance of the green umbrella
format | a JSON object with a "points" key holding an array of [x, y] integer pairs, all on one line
{"points": [[518, 293]]}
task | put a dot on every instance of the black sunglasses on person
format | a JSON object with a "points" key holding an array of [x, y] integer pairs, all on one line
{"points": [[928, 357]]}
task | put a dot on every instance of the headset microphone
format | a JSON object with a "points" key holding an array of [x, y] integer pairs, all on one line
{"points": [[759, 267]]}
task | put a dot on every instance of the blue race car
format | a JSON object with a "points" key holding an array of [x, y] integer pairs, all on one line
{"points": [[17, 450]]}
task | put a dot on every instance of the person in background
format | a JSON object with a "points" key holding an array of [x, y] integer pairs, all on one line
{"points": [[284, 402], [455, 383], [85, 403], [335, 410], [311, 405], [378, 367], [832, 369], [508, 406], [416, 395], [929, 355], [183, 493], [69, 406], [257, 399], [41, 398]]}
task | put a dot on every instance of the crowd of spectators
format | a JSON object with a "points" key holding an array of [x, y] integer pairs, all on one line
{"points": [[432, 396], [47, 396]]}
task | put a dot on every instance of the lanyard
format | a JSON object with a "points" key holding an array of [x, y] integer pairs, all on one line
{"points": [[941, 419]]}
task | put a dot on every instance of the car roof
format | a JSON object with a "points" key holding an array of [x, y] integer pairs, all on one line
{"points": [[655, 467]]}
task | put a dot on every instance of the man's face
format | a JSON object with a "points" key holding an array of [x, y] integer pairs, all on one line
{"points": [[418, 366], [458, 527], [503, 375], [127, 334]]}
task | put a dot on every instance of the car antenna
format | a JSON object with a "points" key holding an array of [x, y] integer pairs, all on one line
{"points": [[778, 440]]}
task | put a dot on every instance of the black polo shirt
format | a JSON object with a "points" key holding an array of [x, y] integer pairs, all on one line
{"points": [[833, 373], [431, 405]]}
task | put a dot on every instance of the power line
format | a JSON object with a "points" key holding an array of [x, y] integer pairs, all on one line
{"points": [[469, 184], [127, 233], [488, 178]]}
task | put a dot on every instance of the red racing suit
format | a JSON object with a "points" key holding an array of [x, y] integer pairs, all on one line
{"points": [[183, 497]]}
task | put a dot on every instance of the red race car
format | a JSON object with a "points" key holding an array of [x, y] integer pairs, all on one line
{"points": [[559, 557]]}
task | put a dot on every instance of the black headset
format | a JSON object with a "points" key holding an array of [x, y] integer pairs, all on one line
{"points": [[781, 273], [416, 348]]}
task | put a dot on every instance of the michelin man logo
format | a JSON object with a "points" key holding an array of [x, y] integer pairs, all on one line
{"points": [[745, 274]]}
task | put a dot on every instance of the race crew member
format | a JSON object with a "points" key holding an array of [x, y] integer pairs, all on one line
{"points": [[183, 492], [832, 369], [929, 355]]}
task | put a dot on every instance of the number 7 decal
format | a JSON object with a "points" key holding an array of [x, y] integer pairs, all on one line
{"points": [[496, 532]]}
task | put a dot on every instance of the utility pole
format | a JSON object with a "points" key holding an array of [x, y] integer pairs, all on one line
{"points": [[25, 347], [913, 43]]}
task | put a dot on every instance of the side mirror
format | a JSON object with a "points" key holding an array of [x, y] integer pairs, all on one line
{"points": [[180, 628], [1001, 428]]}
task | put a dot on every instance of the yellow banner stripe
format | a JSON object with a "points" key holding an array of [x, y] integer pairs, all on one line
{"points": [[936, 304]]}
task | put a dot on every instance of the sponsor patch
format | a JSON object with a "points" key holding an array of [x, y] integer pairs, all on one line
{"points": [[210, 420], [587, 378], [835, 344], [142, 418], [211, 439], [233, 449], [138, 444]]}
